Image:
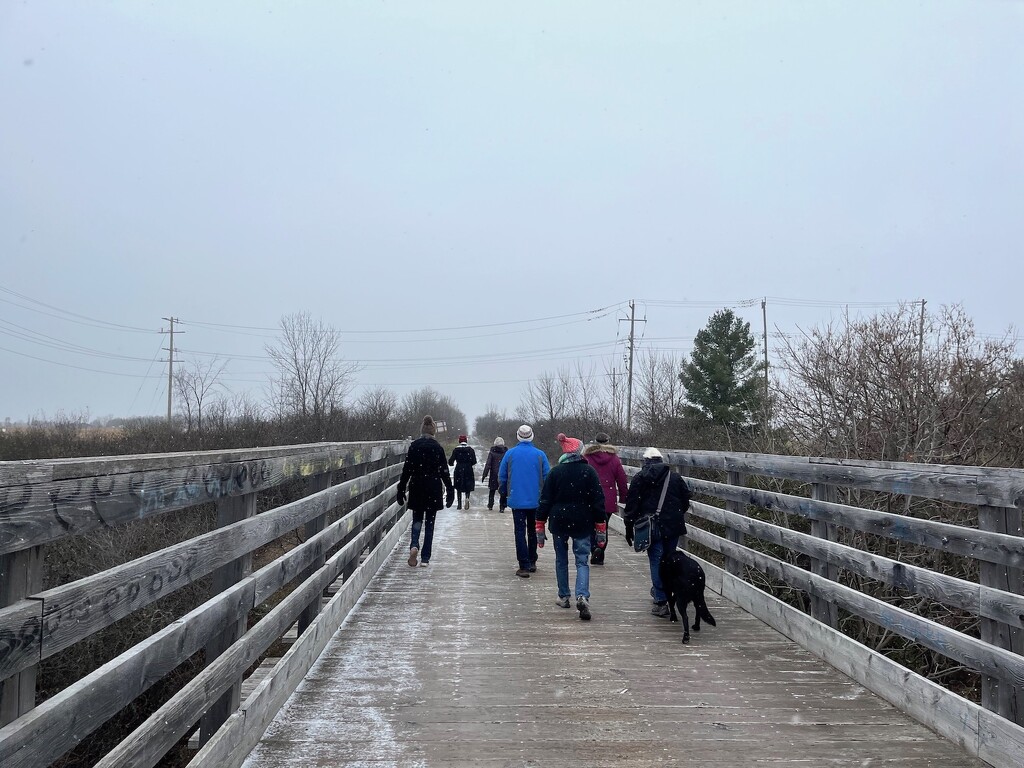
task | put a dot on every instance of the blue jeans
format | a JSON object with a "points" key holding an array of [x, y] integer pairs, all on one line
{"points": [[428, 532], [581, 551], [658, 546], [525, 524]]}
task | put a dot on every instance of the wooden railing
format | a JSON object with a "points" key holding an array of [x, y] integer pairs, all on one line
{"points": [[995, 599], [44, 501]]}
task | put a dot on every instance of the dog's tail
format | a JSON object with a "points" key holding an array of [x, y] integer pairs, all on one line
{"points": [[705, 614]]}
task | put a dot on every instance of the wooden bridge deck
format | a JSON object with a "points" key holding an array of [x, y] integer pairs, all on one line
{"points": [[464, 664]]}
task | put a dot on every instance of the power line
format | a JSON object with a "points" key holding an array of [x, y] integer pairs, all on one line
{"points": [[89, 320]]}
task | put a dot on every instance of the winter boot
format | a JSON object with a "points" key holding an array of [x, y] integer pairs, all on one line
{"points": [[583, 606]]}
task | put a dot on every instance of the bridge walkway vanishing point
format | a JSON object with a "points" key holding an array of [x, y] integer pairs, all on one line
{"points": [[463, 664]]}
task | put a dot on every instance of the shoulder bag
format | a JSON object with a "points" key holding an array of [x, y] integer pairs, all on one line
{"points": [[643, 527]]}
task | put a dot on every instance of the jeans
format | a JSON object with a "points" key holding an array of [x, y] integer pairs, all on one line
{"points": [[525, 523], [428, 532], [581, 551], [654, 552]]}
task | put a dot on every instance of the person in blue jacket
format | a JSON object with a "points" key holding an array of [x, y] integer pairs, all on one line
{"points": [[520, 478]]}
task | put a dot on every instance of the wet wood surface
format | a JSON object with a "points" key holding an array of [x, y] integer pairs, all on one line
{"points": [[464, 664]]}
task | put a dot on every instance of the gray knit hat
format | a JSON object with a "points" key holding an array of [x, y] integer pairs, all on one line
{"points": [[429, 427]]}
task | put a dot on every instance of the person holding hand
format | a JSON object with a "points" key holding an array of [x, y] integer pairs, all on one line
{"points": [[425, 476]]}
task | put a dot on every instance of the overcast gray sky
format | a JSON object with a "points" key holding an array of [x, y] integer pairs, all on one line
{"points": [[389, 166]]}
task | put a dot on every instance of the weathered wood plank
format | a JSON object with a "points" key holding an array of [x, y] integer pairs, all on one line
{"points": [[823, 610], [59, 723], [969, 651], [79, 496], [945, 537], [21, 574], [82, 707], [931, 481], [314, 527], [77, 609], [981, 601], [147, 744], [1001, 696], [735, 567], [233, 743], [230, 510], [979, 732], [21, 631]]}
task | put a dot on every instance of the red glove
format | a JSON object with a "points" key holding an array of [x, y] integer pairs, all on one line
{"points": [[541, 536], [602, 535]]}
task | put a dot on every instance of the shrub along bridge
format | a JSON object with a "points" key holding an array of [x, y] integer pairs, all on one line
{"points": [[463, 664]]}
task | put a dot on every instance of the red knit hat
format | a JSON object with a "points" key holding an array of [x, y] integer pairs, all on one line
{"points": [[463, 439], [569, 444]]}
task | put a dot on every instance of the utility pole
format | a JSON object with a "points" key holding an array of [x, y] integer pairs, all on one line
{"points": [[170, 367], [919, 391], [629, 362], [764, 326]]}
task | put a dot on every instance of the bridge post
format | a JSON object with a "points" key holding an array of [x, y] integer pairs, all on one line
{"points": [[998, 695], [313, 527], [824, 610], [735, 567], [230, 510], [21, 574]]}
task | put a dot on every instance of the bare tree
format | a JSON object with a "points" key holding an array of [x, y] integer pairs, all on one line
{"points": [[378, 408], [312, 380], [194, 381]]}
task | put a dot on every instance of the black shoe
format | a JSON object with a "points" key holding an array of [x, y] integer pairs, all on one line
{"points": [[523, 573], [583, 606], [532, 569]]}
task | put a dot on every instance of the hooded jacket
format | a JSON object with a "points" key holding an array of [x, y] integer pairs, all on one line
{"points": [[605, 459], [571, 500], [644, 492], [491, 464]]}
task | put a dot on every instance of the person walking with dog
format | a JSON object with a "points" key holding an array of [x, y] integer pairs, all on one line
{"points": [[604, 458], [655, 517], [425, 477], [464, 459], [490, 473], [571, 503], [521, 475]]}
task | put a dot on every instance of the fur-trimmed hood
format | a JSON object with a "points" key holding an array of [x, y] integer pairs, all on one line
{"points": [[600, 448]]}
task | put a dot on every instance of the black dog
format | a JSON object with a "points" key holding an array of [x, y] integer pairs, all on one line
{"points": [[682, 578]]}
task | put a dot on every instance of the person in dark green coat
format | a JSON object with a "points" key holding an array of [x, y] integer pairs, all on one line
{"points": [[572, 503]]}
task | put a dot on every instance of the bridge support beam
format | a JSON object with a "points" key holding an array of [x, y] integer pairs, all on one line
{"points": [[735, 567], [823, 610], [229, 510], [1002, 696], [313, 527], [21, 574]]}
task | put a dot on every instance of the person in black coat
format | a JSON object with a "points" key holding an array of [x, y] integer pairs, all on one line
{"points": [[464, 459], [490, 474], [425, 476], [572, 503], [642, 500]]}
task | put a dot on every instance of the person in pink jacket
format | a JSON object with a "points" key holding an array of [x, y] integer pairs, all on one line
{"points": [[604, 457]]}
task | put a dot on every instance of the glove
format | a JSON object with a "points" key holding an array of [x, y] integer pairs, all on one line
{"points": [[602, 535], [450, 498], [401, 498], [629, 534], [541, 536]]}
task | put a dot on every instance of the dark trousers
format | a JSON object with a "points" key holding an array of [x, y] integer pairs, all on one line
{"points": [[502, 499], [525, 523], [424, 520]]}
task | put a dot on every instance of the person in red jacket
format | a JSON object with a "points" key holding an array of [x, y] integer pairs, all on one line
{"points": [[604, 457]]}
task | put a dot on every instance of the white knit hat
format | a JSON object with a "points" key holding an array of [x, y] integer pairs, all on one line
{"points": [[525, 433], [499, 441], [653, 453]]}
